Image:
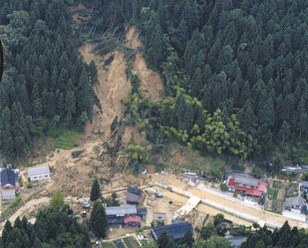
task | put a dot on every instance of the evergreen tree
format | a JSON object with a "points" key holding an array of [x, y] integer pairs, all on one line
{"points": [[95, 191], [164, 241], [98, 220], [57, 201]]}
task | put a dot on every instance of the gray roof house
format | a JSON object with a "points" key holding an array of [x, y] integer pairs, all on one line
{"points": [[296, 203], [132, 199], [121, 210], [304, 186], [142, 212], [9, 184], [135, 191], [39, 173], [240, 179]]}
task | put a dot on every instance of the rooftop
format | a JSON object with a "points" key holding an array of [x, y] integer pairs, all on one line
{"points": [[236, 241], [160, 216], [132, 198], [258, 191], [135, 191], [304, 184], [245, 180], [34, 171], [174, 231], [121, 210], [132, 218], [142, 211], [8, 177], [294, 201]]}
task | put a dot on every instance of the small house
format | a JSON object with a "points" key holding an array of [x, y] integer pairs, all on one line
{"points": [[132, 199], [142, 212], [174, 231], [135, 191], [38, 173], [132, 221], [160, 216], [296, 204], [304, 186], [121, 210], [133, 196], [9, 184], [247, 184]]}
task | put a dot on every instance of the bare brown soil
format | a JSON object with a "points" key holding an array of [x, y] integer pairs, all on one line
{"points": [[75, 176], [151, 82]]}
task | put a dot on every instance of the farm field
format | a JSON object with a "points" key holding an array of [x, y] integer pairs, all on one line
{"points": [[126, 242], [277, 192]]}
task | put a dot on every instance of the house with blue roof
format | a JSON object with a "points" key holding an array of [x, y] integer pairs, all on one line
{"points": [[175, 231], [9, 184]]}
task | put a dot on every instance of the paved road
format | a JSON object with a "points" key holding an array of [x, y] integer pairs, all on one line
{"points": [[263, 216]]}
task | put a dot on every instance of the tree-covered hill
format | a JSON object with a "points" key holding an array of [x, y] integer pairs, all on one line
{"points": [[247, 58], [46, 85], [235, 72]]}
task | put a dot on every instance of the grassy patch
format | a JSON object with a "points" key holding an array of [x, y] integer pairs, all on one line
{"points": [[178, 157], [277, 206], [108, 245], [277, 184], [65, 139], [11, 206], [292, 190], [272, 193], [131, 242]]}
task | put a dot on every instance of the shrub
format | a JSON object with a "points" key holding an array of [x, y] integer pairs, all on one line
{"points": [[76, 154], [223, 187]]}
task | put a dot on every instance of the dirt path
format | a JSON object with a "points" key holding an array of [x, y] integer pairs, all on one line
{"points": [[29, 208]]}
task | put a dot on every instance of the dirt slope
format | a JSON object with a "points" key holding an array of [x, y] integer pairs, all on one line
{"points": [[112, 88], [151, 82], [73, 175]]}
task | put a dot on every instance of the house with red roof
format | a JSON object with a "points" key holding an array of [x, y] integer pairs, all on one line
{"points": [[247, 184], [132, 221]]}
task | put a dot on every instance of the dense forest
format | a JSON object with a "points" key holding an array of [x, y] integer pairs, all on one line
{"points": [[283, 237], [52, 228], [235, 72], [46, 85]]}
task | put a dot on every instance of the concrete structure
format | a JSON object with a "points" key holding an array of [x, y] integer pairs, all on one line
{"points": [[38, 173], [160, 216], [190, 205], [9, 184]]}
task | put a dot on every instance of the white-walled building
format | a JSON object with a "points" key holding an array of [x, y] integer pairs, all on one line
{"points": [[38, 173]]}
